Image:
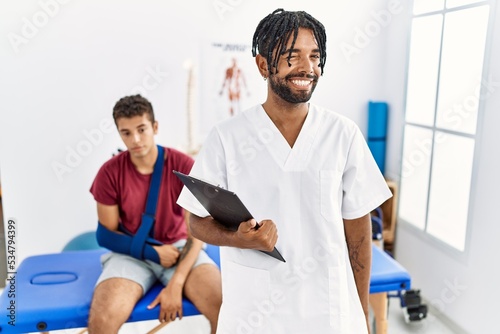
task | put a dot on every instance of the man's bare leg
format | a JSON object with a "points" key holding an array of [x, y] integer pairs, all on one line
{"points": [[204, 289], [112, 303]]}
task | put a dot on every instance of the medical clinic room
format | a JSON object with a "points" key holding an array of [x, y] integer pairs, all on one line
{"points": [[249, 167]]}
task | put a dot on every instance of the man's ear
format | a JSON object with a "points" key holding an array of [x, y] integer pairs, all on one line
{"points": [[262, 66], [155, 127]]}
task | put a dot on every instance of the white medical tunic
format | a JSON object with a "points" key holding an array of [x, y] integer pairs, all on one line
{"points": [[307, 190]]}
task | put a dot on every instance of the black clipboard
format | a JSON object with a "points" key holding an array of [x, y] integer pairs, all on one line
{"points": [[223, 205]]}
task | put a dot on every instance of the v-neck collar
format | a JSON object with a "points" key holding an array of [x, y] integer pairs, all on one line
{"points": [[288, 158]]}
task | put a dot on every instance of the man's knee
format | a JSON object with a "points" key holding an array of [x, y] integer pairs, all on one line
{"points": [[204, 289], [113, 301]]}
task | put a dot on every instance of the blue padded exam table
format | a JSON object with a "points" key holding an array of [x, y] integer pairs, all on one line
{"points": [[54, 291]]}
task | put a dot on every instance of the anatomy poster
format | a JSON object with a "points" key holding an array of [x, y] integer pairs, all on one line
{"points": [[229, 83]]}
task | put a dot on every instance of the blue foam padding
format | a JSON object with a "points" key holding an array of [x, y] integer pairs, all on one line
{"points": [[62, 291], [51, 306], [387, 274], [377, 147], [377, 120], [54, 278]]}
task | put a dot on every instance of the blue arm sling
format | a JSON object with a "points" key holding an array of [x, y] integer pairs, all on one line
{"points": [[140, 244]]}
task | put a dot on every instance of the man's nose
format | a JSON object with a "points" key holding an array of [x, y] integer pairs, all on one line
{"points": [[306, 65]]}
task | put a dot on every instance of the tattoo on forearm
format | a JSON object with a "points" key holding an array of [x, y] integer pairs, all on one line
{"points": [[354, 248], [185, 250]]}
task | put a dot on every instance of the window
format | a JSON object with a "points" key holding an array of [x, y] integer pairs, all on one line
{"points": [[443, 99]]}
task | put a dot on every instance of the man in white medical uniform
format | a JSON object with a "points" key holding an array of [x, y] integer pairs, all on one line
{"points": [[303, 172]]}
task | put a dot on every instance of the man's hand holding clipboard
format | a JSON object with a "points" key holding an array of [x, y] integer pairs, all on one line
{"points": [[255, 235], [226, 208]]}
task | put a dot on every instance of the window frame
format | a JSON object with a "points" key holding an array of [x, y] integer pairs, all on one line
{"points": [[423, 234]]}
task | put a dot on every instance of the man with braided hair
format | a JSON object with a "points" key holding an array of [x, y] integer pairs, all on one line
{"points": [[303, 172]]}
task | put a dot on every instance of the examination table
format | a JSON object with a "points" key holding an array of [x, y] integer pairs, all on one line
{"points": [[53, 291]]}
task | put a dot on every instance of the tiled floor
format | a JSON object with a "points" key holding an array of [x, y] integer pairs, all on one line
{"points": [[199, 325], [397, 324]]}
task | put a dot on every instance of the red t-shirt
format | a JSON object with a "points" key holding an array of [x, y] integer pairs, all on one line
{"points": [[118, 182]]}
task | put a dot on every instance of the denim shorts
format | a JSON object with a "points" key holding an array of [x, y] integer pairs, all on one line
{"points": [[143, 272]]}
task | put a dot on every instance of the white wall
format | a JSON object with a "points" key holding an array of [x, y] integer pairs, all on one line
{"points": [[61, 77], [61, 85]]}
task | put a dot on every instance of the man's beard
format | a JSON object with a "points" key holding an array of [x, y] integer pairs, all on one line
{"points": [[280, 88]]}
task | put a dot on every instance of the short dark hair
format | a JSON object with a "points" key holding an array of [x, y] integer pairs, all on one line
{"points": [[275, 29], [131, 106]]}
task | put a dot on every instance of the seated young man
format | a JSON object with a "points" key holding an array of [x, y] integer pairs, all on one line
{"points": [[120, 190]]}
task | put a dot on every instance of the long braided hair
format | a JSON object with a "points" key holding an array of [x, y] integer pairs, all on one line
{"points": [[274, 31]]}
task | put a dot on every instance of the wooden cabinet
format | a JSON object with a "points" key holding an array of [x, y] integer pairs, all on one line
{"points": [[389, 217]]}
